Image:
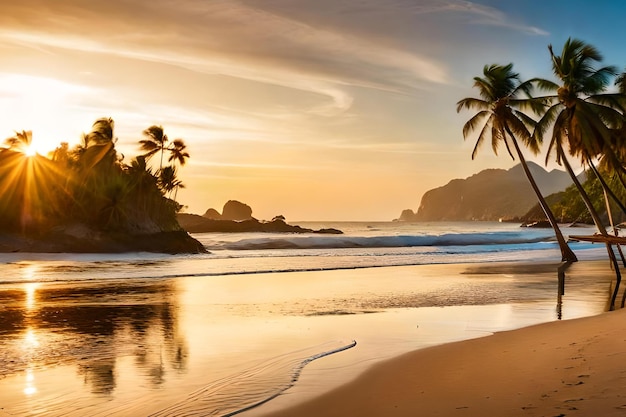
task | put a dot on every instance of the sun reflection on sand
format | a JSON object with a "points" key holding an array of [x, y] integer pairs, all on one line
{"points": [[30, 387]]}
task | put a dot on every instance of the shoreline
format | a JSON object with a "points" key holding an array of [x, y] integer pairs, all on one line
{"points": [[559, 368], [110, 336]]}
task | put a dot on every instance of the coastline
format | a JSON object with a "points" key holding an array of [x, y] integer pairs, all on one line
{"points": [[88, 241], [559, 368], [100, 342]]}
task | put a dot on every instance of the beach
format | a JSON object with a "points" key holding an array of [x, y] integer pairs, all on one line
{"points": [[106, 343], [566, 368]]}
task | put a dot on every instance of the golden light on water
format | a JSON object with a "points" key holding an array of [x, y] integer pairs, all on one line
{"points": [[30, 339], [31, 295], [29, 274]]}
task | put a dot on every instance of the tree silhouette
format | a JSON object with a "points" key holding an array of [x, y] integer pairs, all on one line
{"points": [[499, 90]]}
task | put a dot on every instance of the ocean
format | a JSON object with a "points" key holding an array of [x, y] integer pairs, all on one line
{"points": [[267, 318], [363, 244]]}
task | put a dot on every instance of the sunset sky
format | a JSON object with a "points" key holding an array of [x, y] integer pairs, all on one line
{"points": [[316, 110]]}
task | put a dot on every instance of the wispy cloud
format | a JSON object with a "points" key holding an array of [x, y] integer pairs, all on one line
{"points": [[478, 14], [226, 37]]}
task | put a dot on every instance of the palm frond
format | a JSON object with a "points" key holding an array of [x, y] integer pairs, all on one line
{"points": [[620, 82], [612, 100], [471, 124], [597, 81], [537, 104], [544, 123], [521, 125], [559, 132], [482, 136], [471, 103], [544, 85]]}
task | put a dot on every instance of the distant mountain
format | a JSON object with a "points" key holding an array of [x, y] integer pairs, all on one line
{"points": [[490, 195]]}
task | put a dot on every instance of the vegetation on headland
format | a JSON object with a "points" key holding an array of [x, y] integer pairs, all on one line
{"points": [[569, 207], [86, 198], [581, 118]]}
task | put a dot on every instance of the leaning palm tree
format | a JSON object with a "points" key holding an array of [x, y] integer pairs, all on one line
{"points": [[583, 118], [499, 90], [156, 141]]}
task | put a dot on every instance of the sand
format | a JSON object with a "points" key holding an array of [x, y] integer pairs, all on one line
{"points": [[567, 368], [136, 346]]}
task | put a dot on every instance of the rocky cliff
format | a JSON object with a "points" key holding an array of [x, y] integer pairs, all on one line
{"points": [[490, 195]]}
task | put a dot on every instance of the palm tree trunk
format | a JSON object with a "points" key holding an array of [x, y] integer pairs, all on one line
{"points": [[596, 220], [608, 192], [606, 188], [567, 255]]}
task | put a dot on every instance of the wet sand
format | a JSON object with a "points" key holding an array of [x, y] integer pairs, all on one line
{"points": [[562, 368], [567, 368], [135, 347]]}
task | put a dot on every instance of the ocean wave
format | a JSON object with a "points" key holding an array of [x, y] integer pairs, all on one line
{"points": [[346, 242]]}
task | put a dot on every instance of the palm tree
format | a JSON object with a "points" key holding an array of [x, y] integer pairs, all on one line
{"points": [[499, 90], [156, 141], [178, 152], [168, 180], [98, 145], [583, 117], [21, 141], [102, 131]]}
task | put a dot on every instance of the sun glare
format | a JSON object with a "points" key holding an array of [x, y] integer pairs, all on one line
{"points": [[31, 151], [45, 106]]}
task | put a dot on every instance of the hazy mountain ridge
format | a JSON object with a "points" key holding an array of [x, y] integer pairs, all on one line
{"points": [[489, 195]]}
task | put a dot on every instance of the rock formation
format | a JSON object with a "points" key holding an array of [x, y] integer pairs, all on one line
{"points": [[200, 224], [237, 218], [212, 214], [233, 210]]}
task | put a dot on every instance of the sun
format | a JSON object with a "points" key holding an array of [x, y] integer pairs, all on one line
{"points": [[41, 145], [41, 105], [30, 151]]}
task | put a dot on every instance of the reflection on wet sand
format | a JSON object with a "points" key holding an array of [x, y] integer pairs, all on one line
{"points": [[137, 347], [91, 326]]}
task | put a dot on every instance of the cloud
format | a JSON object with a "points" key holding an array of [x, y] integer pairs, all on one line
{"points": [[247, 41], [481, 15]]}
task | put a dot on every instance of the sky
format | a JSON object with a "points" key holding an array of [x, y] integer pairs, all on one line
{"points": [[315, 110]]}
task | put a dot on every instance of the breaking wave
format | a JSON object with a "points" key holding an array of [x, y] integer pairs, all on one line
{"points": [[346, 242]]}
